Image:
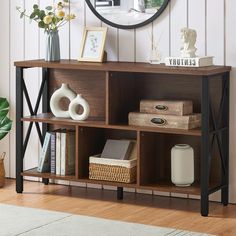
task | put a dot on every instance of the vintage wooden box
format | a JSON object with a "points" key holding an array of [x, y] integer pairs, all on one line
{"points": [[165, 121], [165, 107]]}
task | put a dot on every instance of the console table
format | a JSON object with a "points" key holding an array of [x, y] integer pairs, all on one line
{"points": [[113, 90]]}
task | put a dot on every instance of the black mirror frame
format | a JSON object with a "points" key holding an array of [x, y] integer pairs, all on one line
{"points": [[163, 7]]}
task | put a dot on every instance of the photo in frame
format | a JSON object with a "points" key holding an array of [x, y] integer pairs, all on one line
{"points": [[93, 44]]}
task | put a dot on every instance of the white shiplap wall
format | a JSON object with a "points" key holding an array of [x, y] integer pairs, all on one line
{"points": [[213, 19]]}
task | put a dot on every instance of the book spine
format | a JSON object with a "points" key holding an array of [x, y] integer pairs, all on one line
{"points": [[70, 156], [53, 153], [63, 153], [44, 154], [58, 153]]}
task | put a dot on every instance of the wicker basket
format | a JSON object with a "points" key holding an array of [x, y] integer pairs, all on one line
{"points": [[2, 170], [124, 171]]}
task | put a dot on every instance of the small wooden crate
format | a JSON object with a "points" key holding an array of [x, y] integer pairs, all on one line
{"points": [[165, 107], [124, 171], [165, 121]]}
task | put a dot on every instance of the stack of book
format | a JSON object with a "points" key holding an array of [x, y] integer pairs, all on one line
{"points": [[58, 153]]}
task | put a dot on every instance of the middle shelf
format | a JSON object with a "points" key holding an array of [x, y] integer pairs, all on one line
{"points": [[50, 119]]}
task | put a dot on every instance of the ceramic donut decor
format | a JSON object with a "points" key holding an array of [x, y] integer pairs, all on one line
{"points": [[79, 101], [63, 92]]}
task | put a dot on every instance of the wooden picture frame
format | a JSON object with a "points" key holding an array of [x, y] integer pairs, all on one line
{"points": [[93, 44]]}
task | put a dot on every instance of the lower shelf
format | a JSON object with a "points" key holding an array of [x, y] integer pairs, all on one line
{"points": [[162, 186]]}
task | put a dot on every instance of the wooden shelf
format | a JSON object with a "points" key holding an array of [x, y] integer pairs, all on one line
{"points": [[34, 173], [50, 119], [165, 186], [124, 67]]}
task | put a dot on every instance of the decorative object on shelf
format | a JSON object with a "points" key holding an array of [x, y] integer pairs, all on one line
{"points": [[117, 149], [63, 92], [50, 19], [5, 127], [93, 44], [167, 107], [155, 54], [182, 165], [188, 37], [79, 101], [127, 14], [115, 170], [2, 170], [186, 122], [188, 50]]}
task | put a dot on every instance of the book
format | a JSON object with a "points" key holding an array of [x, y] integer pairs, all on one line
{"points": [[117, 149], [44, 160], [58, 153], [53, 152], [68, 152], [189, 62]]}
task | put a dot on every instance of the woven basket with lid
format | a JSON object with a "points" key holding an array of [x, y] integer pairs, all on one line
{"points": [[2, 170]]}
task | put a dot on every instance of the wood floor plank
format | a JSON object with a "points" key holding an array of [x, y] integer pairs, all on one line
{"points": [[137, 208]]}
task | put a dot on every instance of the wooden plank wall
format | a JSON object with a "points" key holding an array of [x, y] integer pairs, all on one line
{"points": [[213, 19]]}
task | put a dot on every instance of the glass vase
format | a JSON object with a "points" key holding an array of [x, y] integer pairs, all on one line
{"points": [[52, 46]]}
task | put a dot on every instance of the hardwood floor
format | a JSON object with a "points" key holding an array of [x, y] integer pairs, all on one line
{"points": [[137, 208]]}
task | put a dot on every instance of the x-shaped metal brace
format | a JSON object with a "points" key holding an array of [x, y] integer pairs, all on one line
{"points": [[33, 112]]}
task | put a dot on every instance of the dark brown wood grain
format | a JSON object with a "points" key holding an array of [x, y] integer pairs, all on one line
{"points": [[124, 67], [114, 89]]}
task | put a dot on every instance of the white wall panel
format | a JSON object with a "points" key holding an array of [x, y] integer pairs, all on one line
{"points": [[178, 20], [143, 43], [4, 74], [77, 28], [196, 20], [126, 45], [215, 30], [206, 16]]}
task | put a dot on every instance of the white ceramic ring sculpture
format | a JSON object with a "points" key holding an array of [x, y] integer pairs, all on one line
{"points": [[63, 92], [79, 101]]}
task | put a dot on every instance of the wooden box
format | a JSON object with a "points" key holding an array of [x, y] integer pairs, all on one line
{"points": [[165, 107], [165, 121]]}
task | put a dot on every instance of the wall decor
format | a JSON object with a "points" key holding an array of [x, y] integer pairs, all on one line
{"points": [[127, 14], [93, 44], [63, 92], [79, 101], [188, 50], [50, 19], [182, 165]]}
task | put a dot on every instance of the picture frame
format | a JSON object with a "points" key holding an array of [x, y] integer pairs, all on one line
{"points": [[93, 44]]}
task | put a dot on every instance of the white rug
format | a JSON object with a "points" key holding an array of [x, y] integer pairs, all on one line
{"points": [[24, 221]]}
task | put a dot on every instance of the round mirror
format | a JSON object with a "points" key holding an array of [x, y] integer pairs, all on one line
{"points": [[127, 14]]}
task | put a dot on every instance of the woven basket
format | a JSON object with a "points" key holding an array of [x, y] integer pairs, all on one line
{"points": [[2, 170], [112, 170]]}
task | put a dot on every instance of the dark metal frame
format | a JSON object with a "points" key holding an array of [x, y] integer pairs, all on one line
{"points": [[220, 127], [150, 20], [21, 144]]}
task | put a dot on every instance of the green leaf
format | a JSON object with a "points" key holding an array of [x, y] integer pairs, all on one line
{"points": [[42, 14], [32, 15], [4, 108], [5, 127], [35, 6], [41, 24], [49, 8], [5, 122], [22, 15], [37, 12]]}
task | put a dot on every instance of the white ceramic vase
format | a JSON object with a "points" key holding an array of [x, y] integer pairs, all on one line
{"points": [[79, 101], [63, 92], [182, 165]]}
